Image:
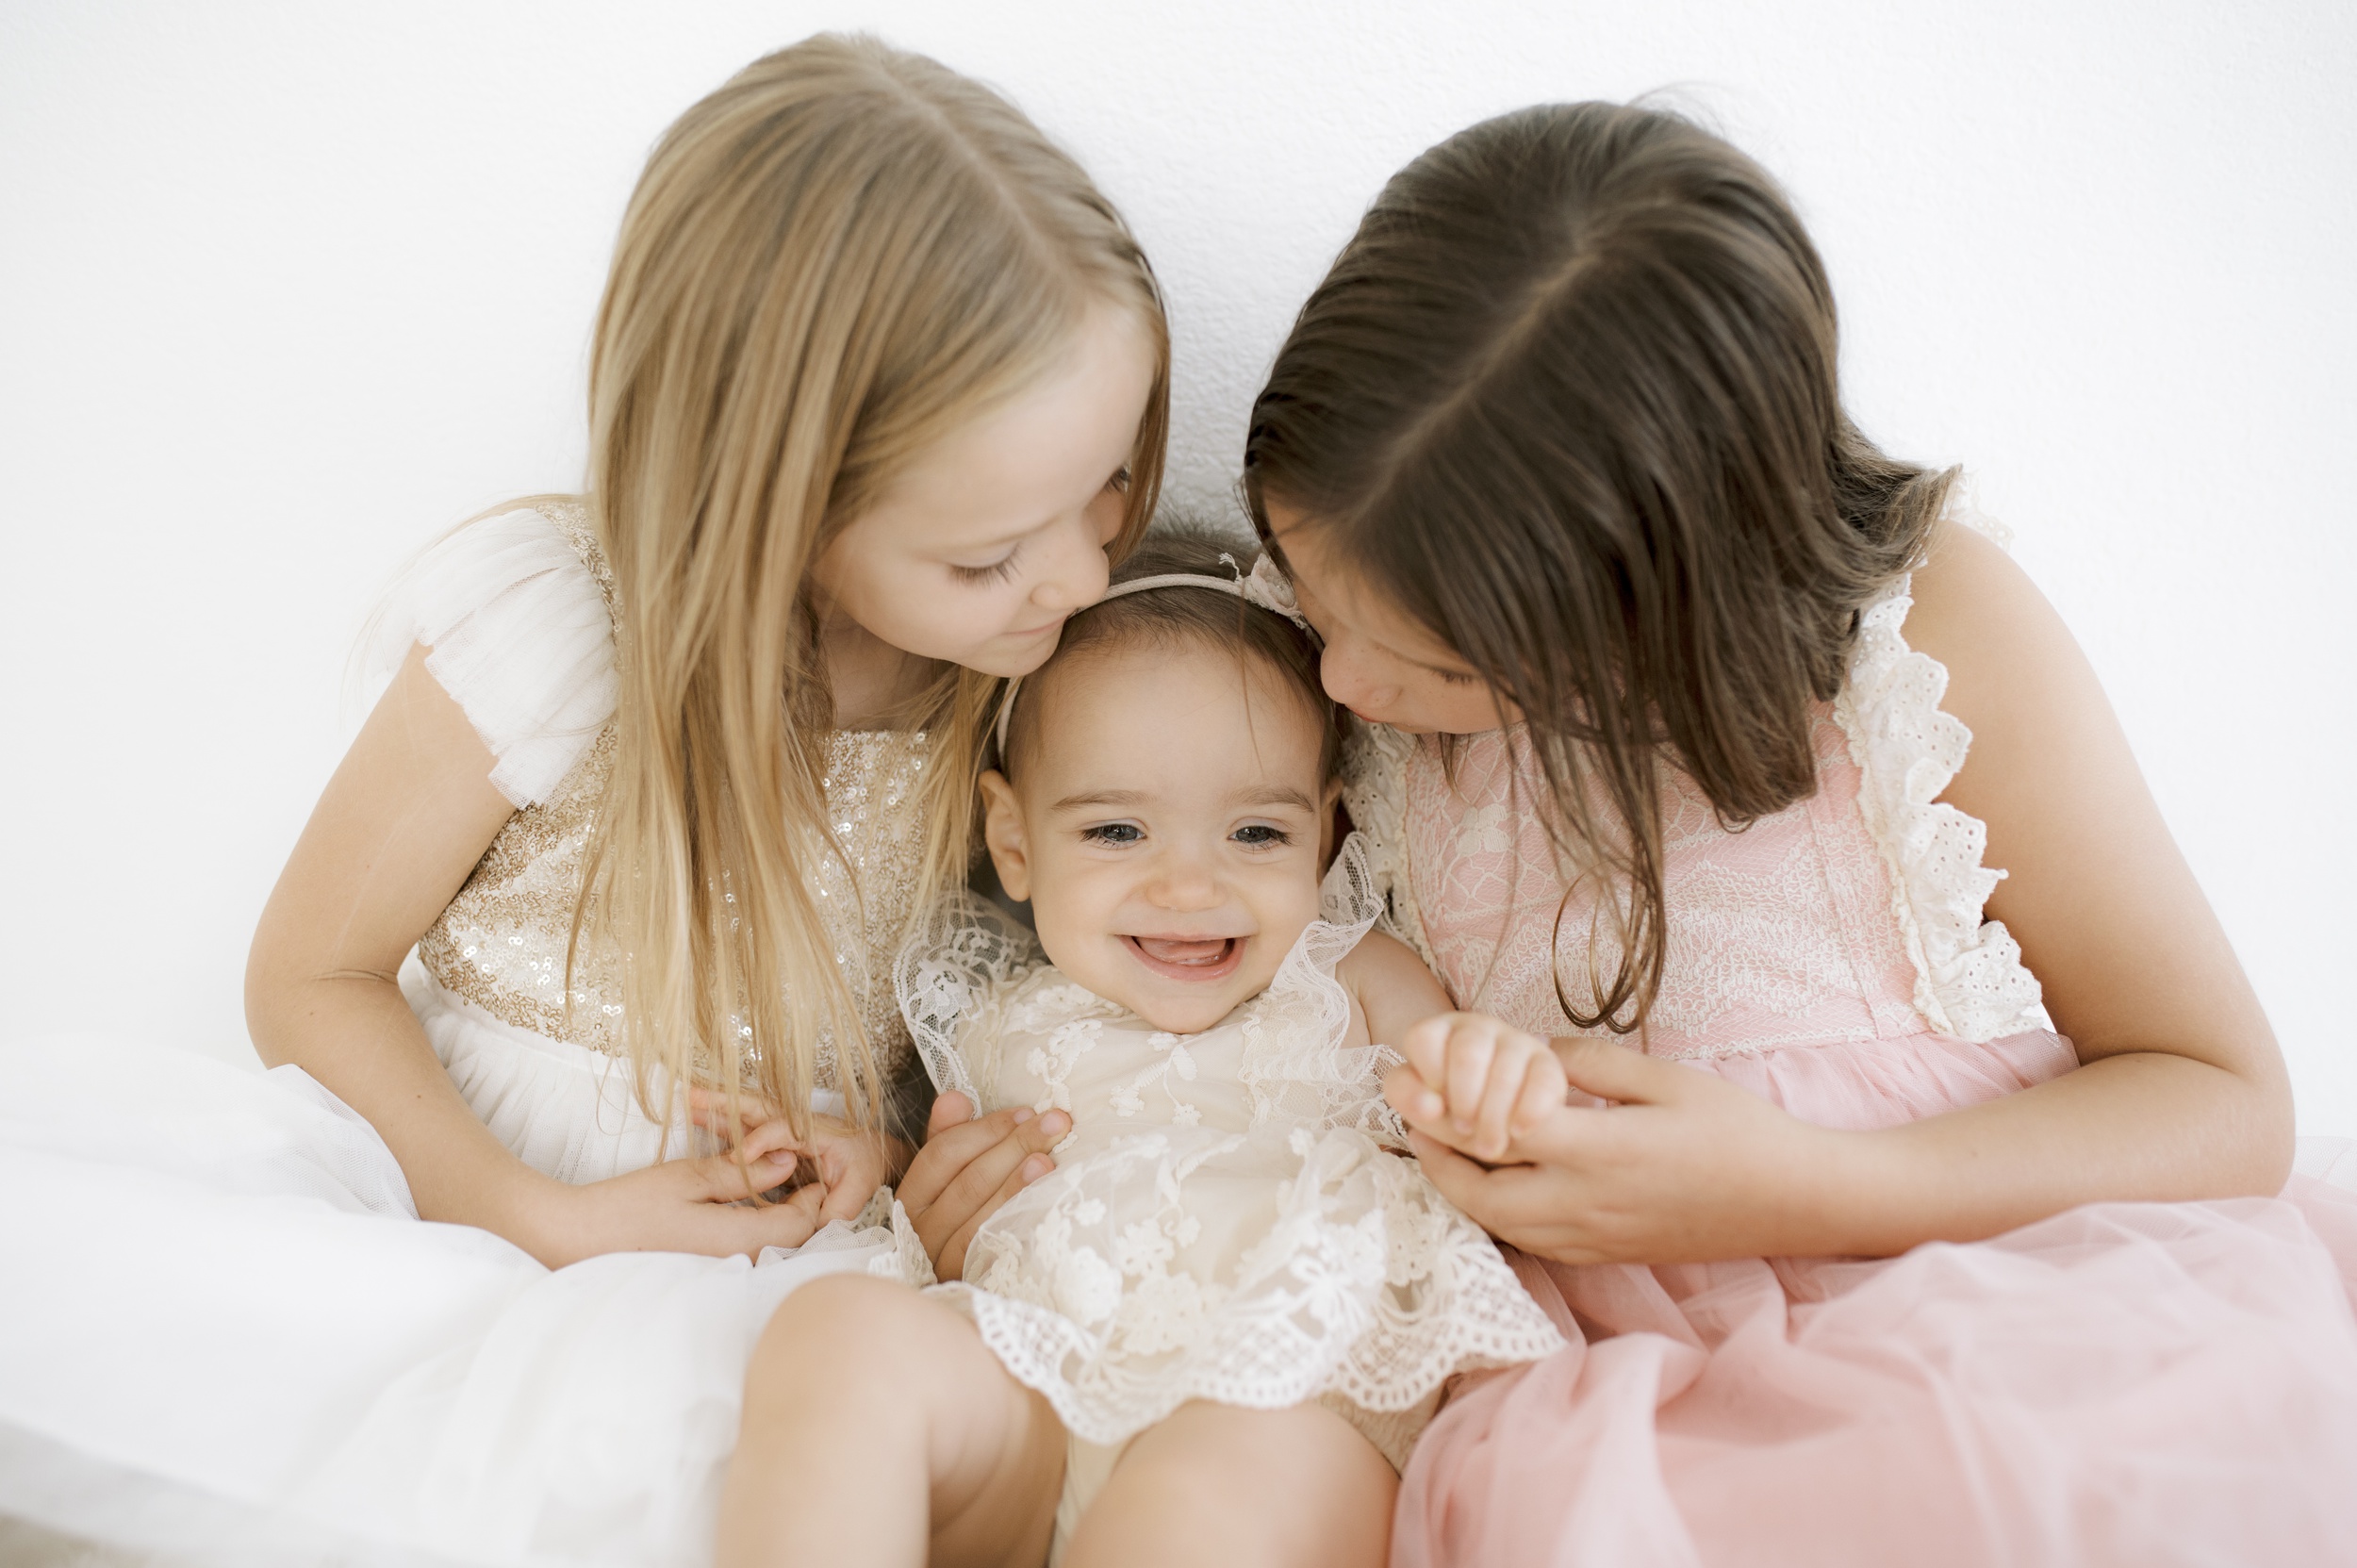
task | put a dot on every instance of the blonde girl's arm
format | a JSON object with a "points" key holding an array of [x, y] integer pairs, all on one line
{"points": [[401, 823], [2181, 1094]]}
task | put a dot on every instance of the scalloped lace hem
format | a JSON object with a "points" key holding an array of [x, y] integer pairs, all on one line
{"points": [[1274, 1349]]}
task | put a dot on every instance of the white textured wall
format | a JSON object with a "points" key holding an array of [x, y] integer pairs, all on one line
{"points": [[286, 289]]}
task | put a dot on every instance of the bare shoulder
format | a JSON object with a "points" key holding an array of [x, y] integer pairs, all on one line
{"points": [[1388, 985], [2009, 657]]}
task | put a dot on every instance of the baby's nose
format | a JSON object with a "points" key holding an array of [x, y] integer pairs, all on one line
{"points": [[1185, 885]]}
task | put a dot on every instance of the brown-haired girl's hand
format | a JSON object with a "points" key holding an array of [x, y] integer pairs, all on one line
{"points": [[969, 1167], [1680, 1167]]}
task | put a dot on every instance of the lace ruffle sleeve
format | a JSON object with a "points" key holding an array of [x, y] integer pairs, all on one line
{"points": [[965, 953], [1375, 792], [520, 635]]}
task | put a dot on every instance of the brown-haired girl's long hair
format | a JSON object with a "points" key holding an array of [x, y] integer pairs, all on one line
{"points": [[837, 257], [1569, 399]]}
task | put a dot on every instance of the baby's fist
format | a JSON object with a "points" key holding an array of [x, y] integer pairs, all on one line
{"points": [[1476, 1082]]}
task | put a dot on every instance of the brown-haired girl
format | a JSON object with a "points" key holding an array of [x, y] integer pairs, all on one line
{"points": [[1698, 729], [877, 389]]}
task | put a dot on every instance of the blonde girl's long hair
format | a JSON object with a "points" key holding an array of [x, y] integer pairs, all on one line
{"points": [[836, 258]]}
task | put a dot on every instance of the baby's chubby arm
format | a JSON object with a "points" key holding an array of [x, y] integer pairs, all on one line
{"points": [[1469, 1080]]}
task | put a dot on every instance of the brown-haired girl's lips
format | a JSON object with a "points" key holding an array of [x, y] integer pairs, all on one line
{"points": [[1203, 958]]}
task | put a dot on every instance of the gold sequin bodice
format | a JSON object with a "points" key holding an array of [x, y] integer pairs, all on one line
{"points": [[501, 944]]}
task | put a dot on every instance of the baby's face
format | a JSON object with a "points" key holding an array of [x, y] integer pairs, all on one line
{"points": [[1166, 828]]}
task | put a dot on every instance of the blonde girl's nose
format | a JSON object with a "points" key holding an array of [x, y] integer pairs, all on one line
{"points": [[1075, 570]]}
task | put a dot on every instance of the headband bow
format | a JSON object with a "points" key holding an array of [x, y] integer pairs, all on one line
{"points": [[1264, 586]]}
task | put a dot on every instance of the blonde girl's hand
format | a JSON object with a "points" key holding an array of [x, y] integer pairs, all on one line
{"points": [[847, 1161], [702, 1205], [1680, 1168], [1476, 1082]]}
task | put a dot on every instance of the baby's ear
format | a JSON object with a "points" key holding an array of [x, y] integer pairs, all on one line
{"points": [[1330, 824], [1003, 831]]}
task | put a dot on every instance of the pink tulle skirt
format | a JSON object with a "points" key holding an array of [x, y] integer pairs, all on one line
{"points": [[2128, 1383]]}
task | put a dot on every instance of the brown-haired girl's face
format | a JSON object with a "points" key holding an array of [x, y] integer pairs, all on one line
{"points": [[977, 552], [1378, 663]]}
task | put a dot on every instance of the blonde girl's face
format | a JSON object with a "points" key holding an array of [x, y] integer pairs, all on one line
{"points": [[1165, 825], [1379, 662], [980, 549]]}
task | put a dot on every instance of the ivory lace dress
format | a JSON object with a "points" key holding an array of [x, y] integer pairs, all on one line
{"points": [[227, 1338], [2126, 1383], [1230, 1218]]}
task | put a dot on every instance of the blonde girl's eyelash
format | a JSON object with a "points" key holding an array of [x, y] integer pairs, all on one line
{"points": [[998, 571], [1109, 833], [1277, 838]]}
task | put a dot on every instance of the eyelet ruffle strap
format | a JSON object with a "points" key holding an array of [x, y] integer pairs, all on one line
{"points": [[1971, 982]]}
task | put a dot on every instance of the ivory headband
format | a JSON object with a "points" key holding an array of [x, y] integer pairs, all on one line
{"points": [[1264, 586]]}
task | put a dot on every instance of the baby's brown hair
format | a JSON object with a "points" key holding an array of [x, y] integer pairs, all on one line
{"points": [[1183, 616]]}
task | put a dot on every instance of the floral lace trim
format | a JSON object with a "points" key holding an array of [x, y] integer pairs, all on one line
{"points": [[1374, 791], [1370, 1285], [1971, 982]]}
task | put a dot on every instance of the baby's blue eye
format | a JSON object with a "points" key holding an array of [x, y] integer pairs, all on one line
{"points": [[1259, 836], [1112, 832]]}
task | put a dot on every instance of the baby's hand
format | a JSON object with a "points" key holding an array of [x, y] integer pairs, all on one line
{"points": [[1475, 1083]]}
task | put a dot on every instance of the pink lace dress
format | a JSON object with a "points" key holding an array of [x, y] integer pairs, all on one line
{"points": [[2124, 1383]]}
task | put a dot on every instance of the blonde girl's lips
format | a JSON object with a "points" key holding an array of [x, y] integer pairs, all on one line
{"points": [[1190, 960]]}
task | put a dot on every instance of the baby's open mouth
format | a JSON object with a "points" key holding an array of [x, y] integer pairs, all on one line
{"points": [[1189, 958]]}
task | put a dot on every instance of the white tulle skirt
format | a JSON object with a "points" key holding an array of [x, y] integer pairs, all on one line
{"points": [[225, 1337]]}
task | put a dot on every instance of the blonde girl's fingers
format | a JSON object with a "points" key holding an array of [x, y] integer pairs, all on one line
{"points": [[722, 1180], [851, 1180], [1472, 1048], [788, 1224], [768, 1138]]}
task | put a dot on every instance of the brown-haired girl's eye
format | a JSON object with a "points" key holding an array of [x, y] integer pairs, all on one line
{"points": [[1119, 483], [1455, 677]]}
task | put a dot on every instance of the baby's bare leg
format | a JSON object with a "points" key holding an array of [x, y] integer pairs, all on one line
{"points": [[1229, 1487], [879, 1432]]}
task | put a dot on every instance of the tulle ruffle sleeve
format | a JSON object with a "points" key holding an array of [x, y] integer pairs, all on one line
{"points": [[520, 634]]}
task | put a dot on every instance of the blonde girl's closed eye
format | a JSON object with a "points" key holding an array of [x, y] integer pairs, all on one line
{"points": [[957, 420]]}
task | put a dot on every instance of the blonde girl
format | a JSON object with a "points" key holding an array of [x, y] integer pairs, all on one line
{"points": [[1716, 746], [877, 391]]}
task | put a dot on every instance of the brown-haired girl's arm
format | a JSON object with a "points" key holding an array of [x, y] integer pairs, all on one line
{"points": [[408, 812], [2181, 1094]]}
